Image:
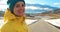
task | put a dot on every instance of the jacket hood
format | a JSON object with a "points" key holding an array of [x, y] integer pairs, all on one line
{"points": [[9, 16]]}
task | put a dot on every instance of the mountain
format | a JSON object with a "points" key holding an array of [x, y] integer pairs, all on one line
{"points": [[56, 11], [45, 8], [53, 14], [39, 5]]}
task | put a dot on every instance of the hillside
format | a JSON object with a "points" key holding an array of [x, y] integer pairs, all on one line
{"points": [[54, 13]]}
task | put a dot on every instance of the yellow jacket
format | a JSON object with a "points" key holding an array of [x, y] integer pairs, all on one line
{"points": [[13, 23]]}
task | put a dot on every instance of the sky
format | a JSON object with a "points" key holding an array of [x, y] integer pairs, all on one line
{"points": [[54, 3]]}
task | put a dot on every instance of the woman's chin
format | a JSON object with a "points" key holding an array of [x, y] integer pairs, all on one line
{"points": [[21, 15]]}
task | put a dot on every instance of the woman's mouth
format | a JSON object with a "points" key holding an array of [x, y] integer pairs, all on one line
{"points": [[21, 13]]}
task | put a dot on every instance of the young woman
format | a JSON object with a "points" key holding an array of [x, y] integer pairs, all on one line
{"points": [[14, 17]]}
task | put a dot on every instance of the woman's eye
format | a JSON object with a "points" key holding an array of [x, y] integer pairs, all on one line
{"points": [[22, 5], [17, 6]]}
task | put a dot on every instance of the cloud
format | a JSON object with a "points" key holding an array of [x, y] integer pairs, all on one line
{"points": [[42, 3], [30, 2], [48, 9], [3, 7], [3, 2], [56, 3], [38, 8], [31, 7], [34, 8]]}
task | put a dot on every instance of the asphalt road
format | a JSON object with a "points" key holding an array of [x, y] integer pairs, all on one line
{"points": [[42, 26]]}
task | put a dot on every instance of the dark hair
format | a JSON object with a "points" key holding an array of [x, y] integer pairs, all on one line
{"points": [[11, 4]]}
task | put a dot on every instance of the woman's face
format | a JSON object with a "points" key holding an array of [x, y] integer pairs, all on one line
{"points": [[19, 9]]}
